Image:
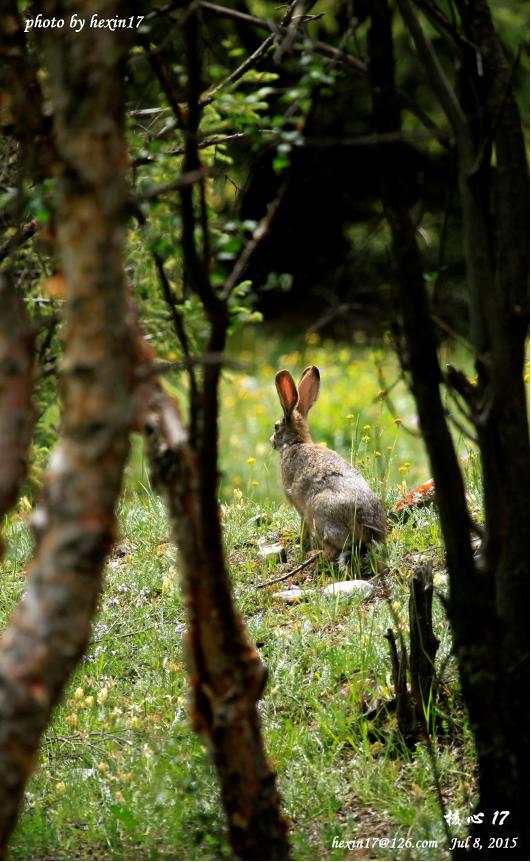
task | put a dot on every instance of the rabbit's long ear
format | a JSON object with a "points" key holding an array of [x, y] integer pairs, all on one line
{"points": [[308, 388], [287, 391]]}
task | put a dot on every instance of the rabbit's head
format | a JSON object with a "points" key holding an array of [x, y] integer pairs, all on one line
{"points": [[293, 427]]}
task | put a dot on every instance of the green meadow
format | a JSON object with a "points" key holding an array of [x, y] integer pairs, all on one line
{"points": [[121, 774]]}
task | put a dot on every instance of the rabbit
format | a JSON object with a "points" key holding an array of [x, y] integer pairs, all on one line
{"points": [[337, 507]]}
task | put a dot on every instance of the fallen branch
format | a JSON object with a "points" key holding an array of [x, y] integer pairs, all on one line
{"points": [[294, 571]]}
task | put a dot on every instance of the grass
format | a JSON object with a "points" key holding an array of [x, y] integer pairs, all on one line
{"points": [[378, 432], [121, 774]]}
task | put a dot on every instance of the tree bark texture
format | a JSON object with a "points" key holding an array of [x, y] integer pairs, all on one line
{"points": [[227, 675], [17, 415], [75, 519], [423, 643], [21, 113], [488, 601]]}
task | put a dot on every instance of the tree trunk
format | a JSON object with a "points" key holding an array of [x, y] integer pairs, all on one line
{"points": [[17, 416], [50, 629], [227, 675], [486, 605]]}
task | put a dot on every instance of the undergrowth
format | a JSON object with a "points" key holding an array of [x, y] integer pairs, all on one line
{"points": [[122, 776]]}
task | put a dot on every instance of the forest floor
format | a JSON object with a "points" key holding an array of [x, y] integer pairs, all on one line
{"points": [[122, 775]]}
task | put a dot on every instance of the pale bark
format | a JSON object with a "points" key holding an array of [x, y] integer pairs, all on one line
{"points": [[50, 629]]}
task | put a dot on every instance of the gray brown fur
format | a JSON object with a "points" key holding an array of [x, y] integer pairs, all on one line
{"points": [[336, 505]]}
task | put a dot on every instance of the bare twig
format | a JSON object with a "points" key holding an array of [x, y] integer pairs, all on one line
{"points": [[18, 239], [289, 574], [253, 245], [238, 73], [438, 78], [183, 181]]}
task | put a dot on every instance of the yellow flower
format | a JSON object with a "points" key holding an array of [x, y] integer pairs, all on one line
{"points": [[367, 427], [381, 393], [103, 694], [89, 701], [72, 720], [237, 481], [397, 421], [174, 666], [255, 483], [125, 777], [119, 796], [60, 787], [350, 417], [312, 338], [79, 694], [103, 767], [526, 377], [377, 454], [251, 460], [365, 439], [259, 409], [404, 469]]}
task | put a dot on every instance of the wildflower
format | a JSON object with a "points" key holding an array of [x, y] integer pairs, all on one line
{"points": [[79, 694], [72, 720], [365, 439], [103, 767], [119, 796], [89, 701], [171, 356], [367, 427], [60, 787], [251, 460], [125, 777], [103, 694], [403, 469], [377, 454], [381, 393], [174, 666], [349, 417], [259, 409], [255, 483], [397, 421]]}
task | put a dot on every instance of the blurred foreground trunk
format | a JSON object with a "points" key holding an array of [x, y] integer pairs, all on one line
{"points": [[75, 520]]}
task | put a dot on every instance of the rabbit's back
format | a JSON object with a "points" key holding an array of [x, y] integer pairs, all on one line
{"points": [[332, 498]]}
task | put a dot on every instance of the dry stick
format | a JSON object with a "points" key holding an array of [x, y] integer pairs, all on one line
{"points": [[151, 194], [253, 245], [238, 73], [294, 571], [18, 239]]}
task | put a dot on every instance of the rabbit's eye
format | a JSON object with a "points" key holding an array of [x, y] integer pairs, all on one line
{"points": [[278, 423]]}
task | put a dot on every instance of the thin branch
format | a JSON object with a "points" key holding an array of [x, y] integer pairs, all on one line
{"points": [[180, 331], [186, 179], [289, 574], [238, 73], [18, 239], [438, 79], [259, 235]]}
